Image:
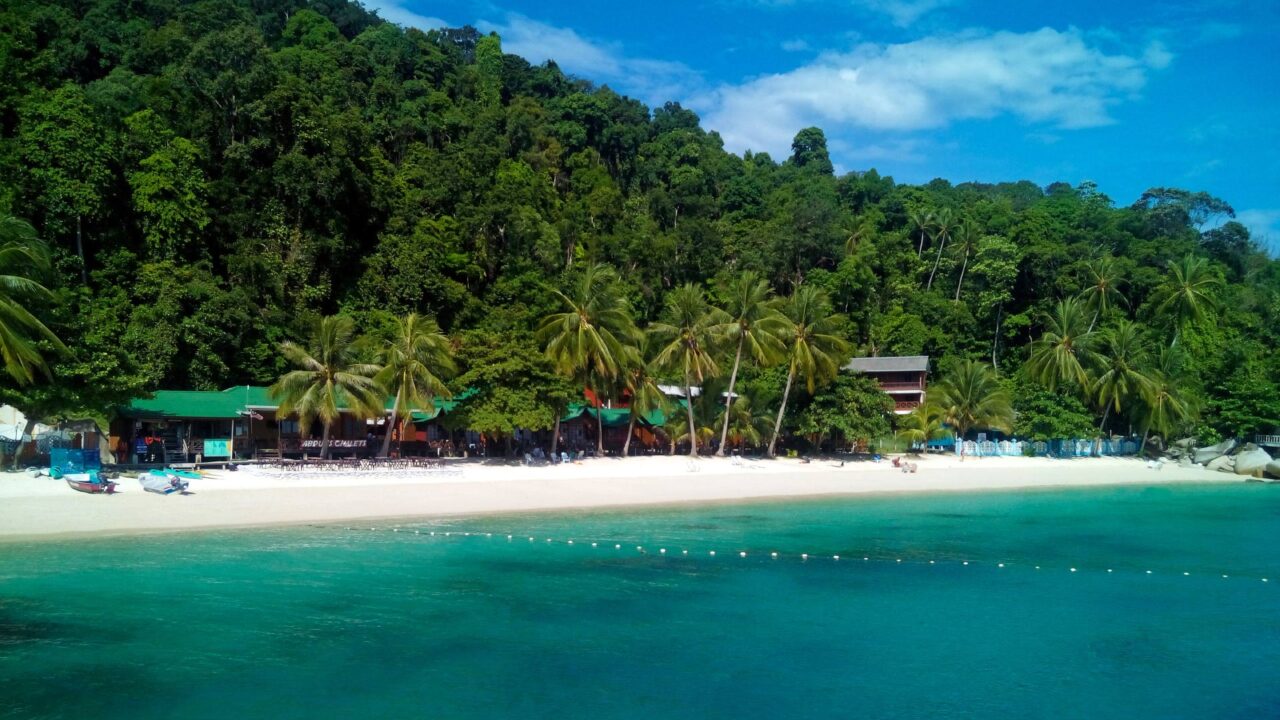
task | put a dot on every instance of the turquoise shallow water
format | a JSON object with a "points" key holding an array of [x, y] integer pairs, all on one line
{"points": [[325, 621]]}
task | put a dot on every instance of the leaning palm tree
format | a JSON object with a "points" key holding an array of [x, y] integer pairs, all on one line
{"points": [[1122, 367], [686, 336], [646, 396], [1188, 293], [22, 255], [970, 396], [813, 344], [920, 222], [965, 244], [1065, 352], [1103, 290], [587, 341], [327, 379], [944, 223], [413, 361], [752, 324], [862, 231]]}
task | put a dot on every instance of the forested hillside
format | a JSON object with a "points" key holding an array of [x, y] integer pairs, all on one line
{"points": [[214, 176]]}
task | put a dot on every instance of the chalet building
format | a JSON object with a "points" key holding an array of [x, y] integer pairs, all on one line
{"points": [[903, 378]]}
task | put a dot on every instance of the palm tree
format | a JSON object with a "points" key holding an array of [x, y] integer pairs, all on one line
{"points": [[944, 223], [413, 362], [1187, 294], [1104, 286], [752, 324], [922, 424], [646, 395], [971, 396], [746, 425], [862, 231], [920, 221], [1064, 353], [1167, 407], [22, 255], [966, 244], [328, 377], [1121, 374], [687, 336], [814, 349], [587, 341]]}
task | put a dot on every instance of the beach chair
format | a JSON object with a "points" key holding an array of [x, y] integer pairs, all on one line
{"points": [[564, 458], [528, 459]]}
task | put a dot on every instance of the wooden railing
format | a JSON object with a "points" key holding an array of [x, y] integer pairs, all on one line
{"points": [[1266, 440], [897, 386]]}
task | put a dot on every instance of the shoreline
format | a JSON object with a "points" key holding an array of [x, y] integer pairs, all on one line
{"points": [[42, 509]]}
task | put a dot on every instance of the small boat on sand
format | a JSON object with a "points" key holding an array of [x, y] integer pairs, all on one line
{"points": [[167, 481], [90, 482]]}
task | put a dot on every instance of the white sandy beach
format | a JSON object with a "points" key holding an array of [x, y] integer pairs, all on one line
{"points": [[42, 507]]}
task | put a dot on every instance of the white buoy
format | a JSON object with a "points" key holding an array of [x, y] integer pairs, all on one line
{"points": [[1073, 569], [662, 551], [415, 532], [999, 564], [1264, 579], [617, 547], [1148, 572], [966, 562], [488, 534], [548, 539], [530, 539], [467, 534], [684, 552], [930, 562], [742, 554], [639, 549], [835, 557], [1185, 574], [593, 544], [433, 532], [804, 556], [447, 534], [373, 528], [773, 554], [866, 558], [508, 537], [713, 553], [1108, 569], [395, 529], [1224, 576], [899, 559], [1037, 567], [570, 542]]}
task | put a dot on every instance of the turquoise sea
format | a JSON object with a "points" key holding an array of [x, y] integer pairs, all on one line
{"points": [[337, 622]]}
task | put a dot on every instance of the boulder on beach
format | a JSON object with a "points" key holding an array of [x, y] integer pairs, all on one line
{"points": [[1273, 469], [1222, 463], [1205, 454], [1252, 462], [1184, 443]]}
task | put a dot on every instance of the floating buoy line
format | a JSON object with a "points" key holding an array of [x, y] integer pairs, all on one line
{"points": [[805, 557]]}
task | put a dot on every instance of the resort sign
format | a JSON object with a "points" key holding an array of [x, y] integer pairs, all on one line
{"points": [[217, 448]]}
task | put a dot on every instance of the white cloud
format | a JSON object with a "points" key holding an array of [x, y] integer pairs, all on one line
{"points": [[906, 12], [653, 81], [1050, 77], [392, 11], [1264, 227]]}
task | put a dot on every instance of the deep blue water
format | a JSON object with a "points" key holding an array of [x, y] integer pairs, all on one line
{"points": [[331, 622]]}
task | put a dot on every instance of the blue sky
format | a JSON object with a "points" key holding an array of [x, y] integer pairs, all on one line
{"points": [[1129, 95]]}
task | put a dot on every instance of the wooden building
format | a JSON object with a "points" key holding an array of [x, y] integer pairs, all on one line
{"points": [[903, 378]]}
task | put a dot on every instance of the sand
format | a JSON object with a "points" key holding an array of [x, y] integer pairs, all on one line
{"points": [[35, 508]]}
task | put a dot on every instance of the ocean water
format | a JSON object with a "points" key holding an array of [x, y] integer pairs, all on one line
{"points": [[337, 622]]}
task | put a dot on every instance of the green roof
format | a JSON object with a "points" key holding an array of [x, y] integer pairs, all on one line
{"points": [[221, 404]]}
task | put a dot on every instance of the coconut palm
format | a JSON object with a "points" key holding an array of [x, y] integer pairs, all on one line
{"points": [[862, 231], [747, 424], [645, 394], [413, 361], [813, 346], [1065, 352], [944, 224], [1103, 290], [587, 341], [22, 255], [753, 324], [685, 337], [920, 221], [970, 397], [1167, 407], [965, 244], [924, 423], [328, 378], [1187, 294], [1121, 374]]}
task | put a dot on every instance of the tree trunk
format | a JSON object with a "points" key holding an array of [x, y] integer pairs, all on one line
{"points": [[693, 431], [920, 252], [937, 260], [728, 401], [22, 441], [1094, 321], [995, 338], [324, 443], [631, 428], [84, 268], [555, 435], [599, 428], [386, 437], [963, 267], [1105, 414], [777, 424]]}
